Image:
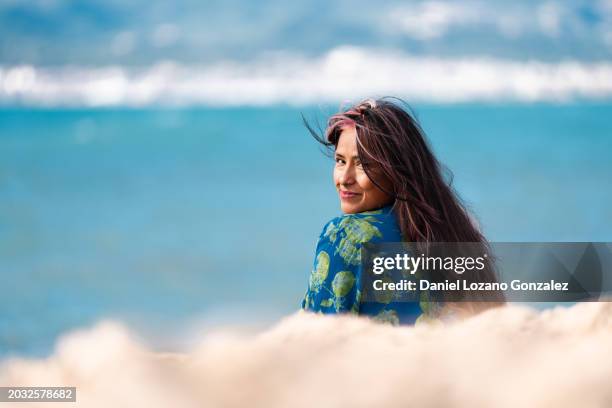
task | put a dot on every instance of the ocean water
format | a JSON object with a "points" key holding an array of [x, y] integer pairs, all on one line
{"points": [[169, 218]]}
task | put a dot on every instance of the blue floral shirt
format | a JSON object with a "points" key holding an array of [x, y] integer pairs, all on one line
{"points": [[334, 284]]}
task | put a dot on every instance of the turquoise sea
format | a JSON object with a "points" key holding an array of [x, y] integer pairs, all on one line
{"points": [[170, 218]]}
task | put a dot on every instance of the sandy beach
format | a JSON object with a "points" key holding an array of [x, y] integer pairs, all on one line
{"points": [[514, 356]]}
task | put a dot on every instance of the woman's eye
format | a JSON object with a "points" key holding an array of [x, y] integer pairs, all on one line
{"points": [[339, 160]]}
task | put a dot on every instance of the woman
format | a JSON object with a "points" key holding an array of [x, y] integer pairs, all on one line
{"points": [[391, 189]]}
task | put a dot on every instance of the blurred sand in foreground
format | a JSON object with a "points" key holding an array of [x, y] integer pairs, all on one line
{"points": [[509, 357]]}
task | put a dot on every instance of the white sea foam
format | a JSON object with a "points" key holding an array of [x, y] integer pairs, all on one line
{"points": [[510, 357], [345, 73], [433, 19]]}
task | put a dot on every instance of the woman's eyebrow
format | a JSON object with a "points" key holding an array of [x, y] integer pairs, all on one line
{"points": [[355, 158]]}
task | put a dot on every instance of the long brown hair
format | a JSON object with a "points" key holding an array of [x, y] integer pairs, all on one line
{"points": [[392, 146]]}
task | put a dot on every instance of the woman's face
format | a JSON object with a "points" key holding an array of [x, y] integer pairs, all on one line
{"points": [[356, 191]]}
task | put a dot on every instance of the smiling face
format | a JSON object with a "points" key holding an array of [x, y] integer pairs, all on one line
{"points": [[356, 191]]}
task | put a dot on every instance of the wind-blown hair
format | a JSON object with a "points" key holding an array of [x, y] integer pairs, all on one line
{"points": [[393, 147]]}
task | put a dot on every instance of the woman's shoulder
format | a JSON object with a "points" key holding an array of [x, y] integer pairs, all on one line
{"points": [[370, 226]]}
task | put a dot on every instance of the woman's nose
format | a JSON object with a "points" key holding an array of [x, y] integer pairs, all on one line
{"points": [[347, 176]]}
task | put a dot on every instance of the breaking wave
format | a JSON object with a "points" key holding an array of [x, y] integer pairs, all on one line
{"points": [[344, 73]]}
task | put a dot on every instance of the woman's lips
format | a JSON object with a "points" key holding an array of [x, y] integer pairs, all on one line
{"points": [[347, 195]]}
